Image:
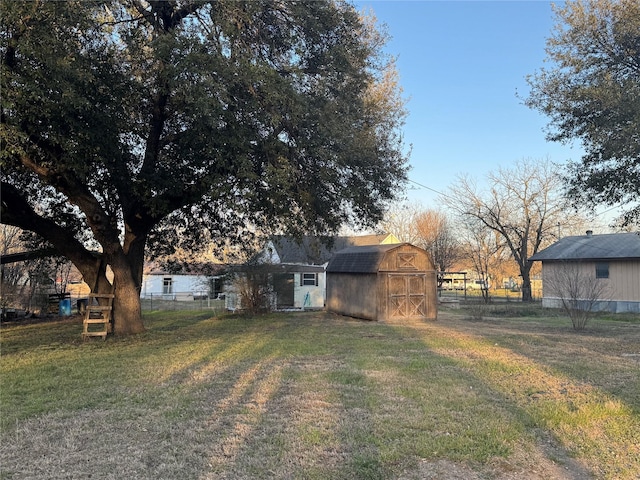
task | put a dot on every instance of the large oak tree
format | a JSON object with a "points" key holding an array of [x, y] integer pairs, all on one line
{"points": [[591, 92], [124, 122]]}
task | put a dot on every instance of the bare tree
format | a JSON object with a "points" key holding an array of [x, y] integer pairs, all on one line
{"points": [[524, 205], [10, 243], [577, 289], [11, 275], [400, 220], [62, 270], [482, 250], [25, 283], [253, 283], [436, 236]]}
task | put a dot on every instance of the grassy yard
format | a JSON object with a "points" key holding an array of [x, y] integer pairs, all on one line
{"points": [[504, 395]]}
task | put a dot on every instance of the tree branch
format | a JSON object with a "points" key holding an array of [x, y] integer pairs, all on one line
{"points": [[16, 211]]}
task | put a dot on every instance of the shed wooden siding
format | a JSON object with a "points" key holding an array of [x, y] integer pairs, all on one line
{"points": [[353, 294], [382, 282]]}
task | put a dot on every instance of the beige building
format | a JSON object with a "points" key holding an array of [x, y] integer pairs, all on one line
{"points": [[607, 264]]}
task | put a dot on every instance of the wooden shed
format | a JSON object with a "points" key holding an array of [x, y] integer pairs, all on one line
{"points": [[382, 282]]}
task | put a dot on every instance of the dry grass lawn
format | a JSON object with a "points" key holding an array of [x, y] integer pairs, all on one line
{"points": [[318, 396]]}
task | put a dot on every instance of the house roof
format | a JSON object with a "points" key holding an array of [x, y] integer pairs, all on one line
{"points": [[592, 247], [279, 268], [361, 259], [185, 268], [319, 250]]}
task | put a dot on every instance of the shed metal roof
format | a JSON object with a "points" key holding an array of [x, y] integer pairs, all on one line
{"points": [[364, 259], [319, 250], [592, 247]]}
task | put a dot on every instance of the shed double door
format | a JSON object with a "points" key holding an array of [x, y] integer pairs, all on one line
{"points": [[407, 295]]}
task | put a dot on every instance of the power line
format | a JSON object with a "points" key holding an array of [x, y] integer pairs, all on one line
{"points": [[429, 188], [606, 211], [448, 196]]}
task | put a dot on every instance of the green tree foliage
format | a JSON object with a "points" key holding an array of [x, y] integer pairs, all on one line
{"points": [[128, 124], [592, 93]]}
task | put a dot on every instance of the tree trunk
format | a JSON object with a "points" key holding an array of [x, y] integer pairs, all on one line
{"points": [[127, 313], [526, 285], [127, 310], [485, 295], [526, 291]]}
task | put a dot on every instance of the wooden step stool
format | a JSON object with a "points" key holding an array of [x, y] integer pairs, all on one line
{"points": [[98, 315]]}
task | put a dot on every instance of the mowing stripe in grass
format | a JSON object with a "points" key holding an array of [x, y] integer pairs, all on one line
{"points": [[589, 422], [307, 395]]}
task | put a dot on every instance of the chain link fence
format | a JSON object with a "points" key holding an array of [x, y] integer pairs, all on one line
{"points": [[182, 301], [14, 306]]}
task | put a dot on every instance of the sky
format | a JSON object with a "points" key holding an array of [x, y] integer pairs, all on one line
{"points": [[463, 67]]}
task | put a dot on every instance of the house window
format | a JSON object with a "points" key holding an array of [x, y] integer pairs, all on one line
{"points": [[310, 279], [215, 286], [602, 270], [167, 285]]}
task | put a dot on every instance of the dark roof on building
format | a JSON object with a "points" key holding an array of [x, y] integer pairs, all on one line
{"points": [[185, 268], [312, 250], [592, 247], [364, 259], [278, 268]]}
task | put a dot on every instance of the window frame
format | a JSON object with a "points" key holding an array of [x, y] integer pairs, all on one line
{"points": [[167, 285], [602, 270], [311, 279]]}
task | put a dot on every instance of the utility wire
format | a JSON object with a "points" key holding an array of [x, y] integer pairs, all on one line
{"points": [[448, 196], [431, 189], [606, 211]]}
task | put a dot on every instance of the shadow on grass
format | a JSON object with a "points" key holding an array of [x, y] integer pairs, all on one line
{"points": [[281, 396], [541, 370], [606, 354]]}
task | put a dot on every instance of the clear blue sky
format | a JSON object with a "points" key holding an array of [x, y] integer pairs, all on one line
{"points": [[461, 65]]}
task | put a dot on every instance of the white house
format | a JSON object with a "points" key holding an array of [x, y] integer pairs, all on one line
{"points": [[300, 265], [184, 282]]}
